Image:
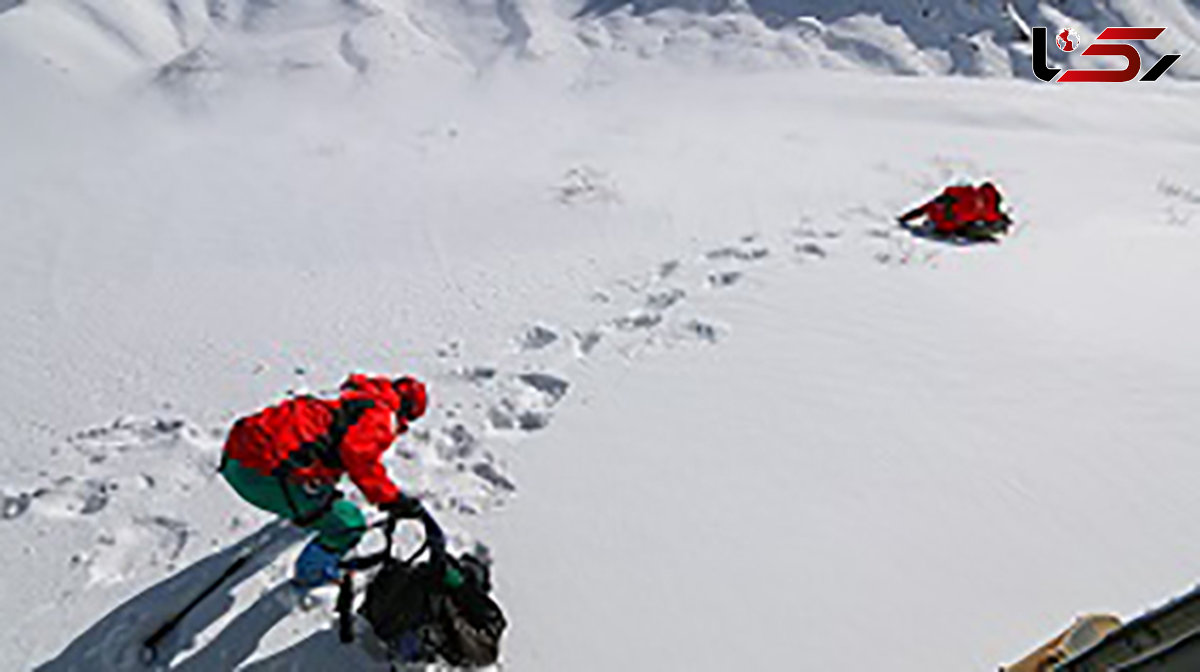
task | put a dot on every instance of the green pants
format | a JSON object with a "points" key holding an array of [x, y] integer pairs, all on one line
{"points": [[339, 529]]}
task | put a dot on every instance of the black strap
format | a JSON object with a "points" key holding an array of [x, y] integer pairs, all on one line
{"points": [[326, 449]]}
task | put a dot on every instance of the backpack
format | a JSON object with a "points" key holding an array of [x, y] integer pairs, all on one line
{"points": [[423, 616], [296, 433]]}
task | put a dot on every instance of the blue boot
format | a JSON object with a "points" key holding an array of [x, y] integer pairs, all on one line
{"points": [[316, 566]]}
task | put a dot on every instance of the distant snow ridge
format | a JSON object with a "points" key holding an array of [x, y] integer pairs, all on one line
{"points": [[181, 43]]}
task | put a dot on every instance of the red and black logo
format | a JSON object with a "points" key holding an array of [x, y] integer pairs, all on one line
{"points": [[1127, 51]]}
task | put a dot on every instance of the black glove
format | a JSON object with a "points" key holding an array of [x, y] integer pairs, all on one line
{"points": [[404, 507]]}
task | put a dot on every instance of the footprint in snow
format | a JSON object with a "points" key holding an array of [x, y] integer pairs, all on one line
{"points": [[738, 253], [586, 341], [720, 280], [701, 330], [455, 442], [15, 506], [453, 349], [137, 439], [505, 415], [813, 242], [899, 257], [171, 534], [476, 374], [537, 337], [747, 249], [488, 472], [65, 497], [810, 250], [552, 386], [600, 296], [810, 232], [668, 268], [147, 541], [638, 319], [584, 184], [664, 299]]}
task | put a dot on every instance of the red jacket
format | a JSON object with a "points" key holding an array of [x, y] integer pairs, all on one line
{"points": [[957, 206], [311, 440]]}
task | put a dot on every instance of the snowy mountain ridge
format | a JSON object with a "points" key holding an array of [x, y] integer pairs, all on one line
{"points": [[193, 43]]}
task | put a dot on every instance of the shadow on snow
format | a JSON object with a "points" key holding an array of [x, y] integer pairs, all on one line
{"points": [[114, 642]]}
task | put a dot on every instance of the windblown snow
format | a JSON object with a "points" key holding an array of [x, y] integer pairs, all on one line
{"points": [[701, 401]]}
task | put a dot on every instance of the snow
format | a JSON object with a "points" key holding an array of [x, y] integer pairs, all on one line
{"points": [[704, 403]]}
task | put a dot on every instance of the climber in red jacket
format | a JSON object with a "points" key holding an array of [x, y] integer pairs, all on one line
{"points": [[288, 458], [964, 211]]}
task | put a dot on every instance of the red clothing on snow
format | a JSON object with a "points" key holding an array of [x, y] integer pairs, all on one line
{"points": [[297, 437], [961, 205]]}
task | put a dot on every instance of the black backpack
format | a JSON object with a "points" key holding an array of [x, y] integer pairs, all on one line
{"points": [[422, 618]]}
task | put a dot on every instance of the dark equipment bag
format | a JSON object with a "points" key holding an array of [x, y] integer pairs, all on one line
{"points": [[437, 609]]}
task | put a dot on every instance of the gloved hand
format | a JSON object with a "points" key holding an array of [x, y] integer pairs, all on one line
{"points": [[404, 507]]}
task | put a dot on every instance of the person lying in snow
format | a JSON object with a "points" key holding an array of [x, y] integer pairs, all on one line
{"points": [[971, 213], [288, 458]]}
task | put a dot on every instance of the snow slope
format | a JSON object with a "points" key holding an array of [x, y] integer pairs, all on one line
{"points": [[706, 406]]}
